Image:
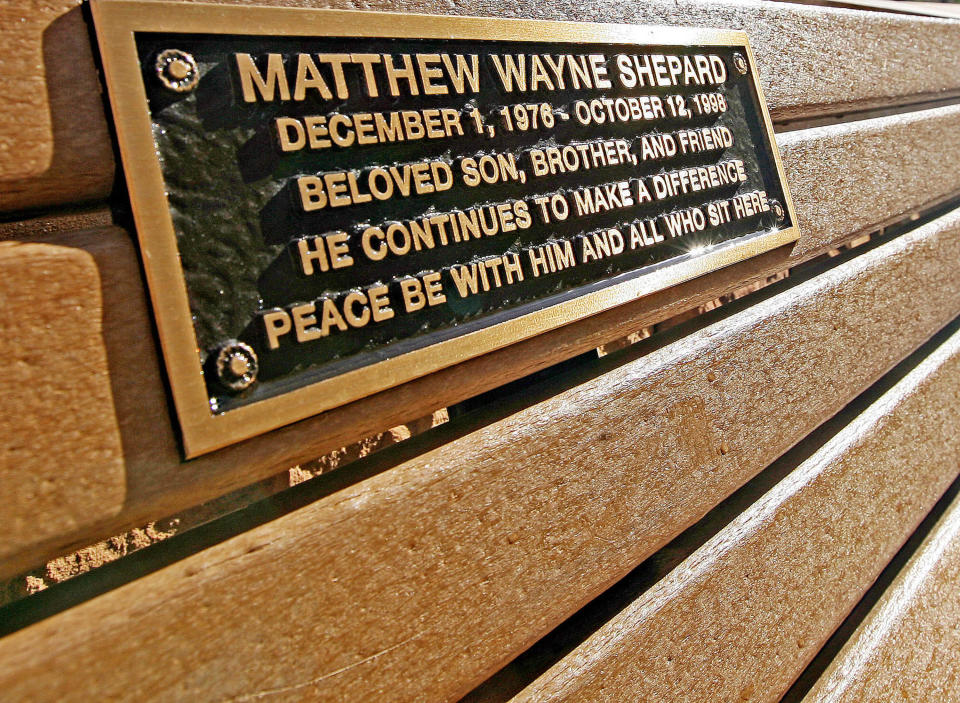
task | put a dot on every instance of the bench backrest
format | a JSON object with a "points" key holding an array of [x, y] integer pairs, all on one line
{"points": [[691, 516]]}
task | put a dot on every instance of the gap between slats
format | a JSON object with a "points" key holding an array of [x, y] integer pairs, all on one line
{"points": [[520, 673]]}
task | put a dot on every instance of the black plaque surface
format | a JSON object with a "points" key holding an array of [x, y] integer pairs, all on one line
{"points": [[334, 203]]}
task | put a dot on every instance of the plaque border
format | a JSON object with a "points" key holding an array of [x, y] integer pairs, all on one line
{"points": [[203, 431]]}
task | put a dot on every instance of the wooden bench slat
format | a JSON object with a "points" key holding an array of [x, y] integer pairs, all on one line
{"points": [[425, 578], [55, 146], [855, 176], [64, 416], [54, 143], [908, 647], [741, 617], [910, 7], [879, 169]]}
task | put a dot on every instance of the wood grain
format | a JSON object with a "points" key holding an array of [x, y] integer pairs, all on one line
{"points": [[908, 647], [931, 9], [55, 147], [57, 222], [420, 581], [54, 144], [878, 169], [45, 303], [744, 614]]}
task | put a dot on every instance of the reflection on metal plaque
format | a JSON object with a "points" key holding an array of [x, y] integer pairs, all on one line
{"points": [[333, 203]]}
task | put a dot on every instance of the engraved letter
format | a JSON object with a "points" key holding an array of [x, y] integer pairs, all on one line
{"points": [[250, 78], [277, 323]]}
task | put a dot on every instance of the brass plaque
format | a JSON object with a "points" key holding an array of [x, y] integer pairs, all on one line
{"points": [[333, 203]]}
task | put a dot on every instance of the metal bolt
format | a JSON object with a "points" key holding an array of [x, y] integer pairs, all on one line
{"points": [[177, 70], [236, 365], [778, 210], [239, 365], [740, 64]]}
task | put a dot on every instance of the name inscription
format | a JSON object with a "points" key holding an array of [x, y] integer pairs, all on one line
{"points": [[381, 196]]}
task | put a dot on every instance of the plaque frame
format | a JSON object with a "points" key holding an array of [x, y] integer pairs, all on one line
{"points": [[203, 430]]}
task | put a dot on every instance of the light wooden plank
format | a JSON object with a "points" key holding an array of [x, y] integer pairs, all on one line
{"points": [[931, 9], [851, 177], [908, 647], [845, 179], [422, 580], [48, 304], [55, 147], [54, 143], [743, 615]]}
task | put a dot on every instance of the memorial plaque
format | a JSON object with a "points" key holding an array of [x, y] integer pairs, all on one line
{"points": [[333, 203]]}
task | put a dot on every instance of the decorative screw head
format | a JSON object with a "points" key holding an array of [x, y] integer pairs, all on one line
{"points": [[740, 64], [236, 365], [778, 210], [177, 70]]}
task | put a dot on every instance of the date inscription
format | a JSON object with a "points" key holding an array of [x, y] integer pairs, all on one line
{"points": [[358, 202]]}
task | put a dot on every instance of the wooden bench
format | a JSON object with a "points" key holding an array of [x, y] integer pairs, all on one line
{"points": [[691, 517]]}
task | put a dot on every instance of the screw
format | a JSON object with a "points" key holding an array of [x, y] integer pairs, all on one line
{"points": [[740, 64], [778, 211], [177, 70], [236, 365]]}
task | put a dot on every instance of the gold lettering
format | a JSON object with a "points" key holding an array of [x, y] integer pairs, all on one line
{"points": [[252, 82], [367, 61], [317, 131], [339, 250], [277, 323], [428, 72], [304, 321], [374, 252], [353, 318], [463, 73], [312, 249], [413, 297], [290, 134], [312, 196], [336, 61], [380, 303], [305, 66], [434, 289], [331, 317], [394, 74]]}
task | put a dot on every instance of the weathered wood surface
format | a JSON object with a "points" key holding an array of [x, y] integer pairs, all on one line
{"points": [[54, 143], [742, 616], [55, 223], [55, 388], [853, 176], [422, 580], [909, 7], [908, 647], [55, 147], [844, 178]]}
